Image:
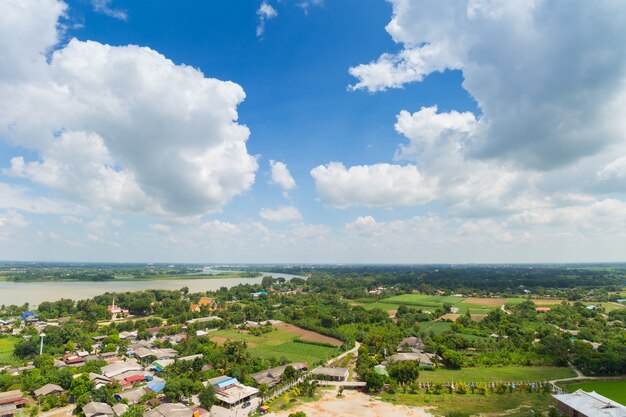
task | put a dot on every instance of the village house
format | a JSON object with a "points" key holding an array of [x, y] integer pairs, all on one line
{"points": [[272, 376], [588, 404], [426, 360], [94, 409], [331, 374], [231, 393], [169, 410], [11, 401], [48, 389]]}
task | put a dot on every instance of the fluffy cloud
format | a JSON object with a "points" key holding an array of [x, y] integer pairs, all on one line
{"points": [[376, 185], [153, 136], [281, 214], [264, 13], [281, 176], [545, 75]]}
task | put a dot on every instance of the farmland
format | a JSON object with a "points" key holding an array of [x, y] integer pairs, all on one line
{"points": [[278, 344], [516, 404], [497, 374], [615, 390], [7, 344], [478, 307]]}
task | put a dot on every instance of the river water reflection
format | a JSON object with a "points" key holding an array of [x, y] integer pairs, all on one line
{"points": [[34, 293]]}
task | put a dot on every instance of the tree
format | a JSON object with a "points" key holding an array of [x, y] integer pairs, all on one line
{"points": [[404, 372], [298, 414], [207, 397], [267, 281], [290, 373], [374, 381], [134, 411]]}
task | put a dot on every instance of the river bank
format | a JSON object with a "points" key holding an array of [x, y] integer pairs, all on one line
{"points": [[34, 293]]}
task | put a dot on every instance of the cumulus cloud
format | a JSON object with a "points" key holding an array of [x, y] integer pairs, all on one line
{"points": [[119, 127], [281, 176], [281, 214], [264, 13], [376, 185], [545, 75]]}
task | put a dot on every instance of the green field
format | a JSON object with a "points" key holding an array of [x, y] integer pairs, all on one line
{"points": [[615, 390], [6, 350], [278, 344], [428, 303], [474, 404], [501, 374]]}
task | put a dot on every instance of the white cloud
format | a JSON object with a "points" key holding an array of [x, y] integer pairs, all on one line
{"points": [[376, 185], [154, 136], [307, 4], [281, 176], [546, 88], [104, 7], [281, 214], [264, 13]]}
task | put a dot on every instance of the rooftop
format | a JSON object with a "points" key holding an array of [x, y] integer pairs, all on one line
{"points": [[592, 404]]}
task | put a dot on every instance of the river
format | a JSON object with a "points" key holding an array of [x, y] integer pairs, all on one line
{"points": [[34, 293]]}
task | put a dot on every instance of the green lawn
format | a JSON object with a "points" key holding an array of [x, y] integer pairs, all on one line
{"points": [[615, 390], [278, 344], [7, 344], [475, 404], [500, 374]]}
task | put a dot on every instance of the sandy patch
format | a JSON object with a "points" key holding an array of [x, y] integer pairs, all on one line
{"points": [[450, 316], [308, 335], [353, 403], [546, 302]]}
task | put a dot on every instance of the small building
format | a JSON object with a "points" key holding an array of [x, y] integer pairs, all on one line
{"points": [[207, 302], [99, 380], [29, 316], [156, 386], [169, 410], [133, 396], [331, 374], [118, 368], [11, 401], [231, 393], [588, 404], [591, 307], [119, 409], [426, 360], [272, 376], [94, 409], [47, 390], [413, 343]]}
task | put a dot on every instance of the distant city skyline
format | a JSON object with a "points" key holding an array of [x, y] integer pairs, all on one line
{"points": [[284, 131]]}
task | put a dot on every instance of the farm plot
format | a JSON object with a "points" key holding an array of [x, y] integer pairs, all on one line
{"points": [[278, 344], [7, 344], [497, 374], [615, 390]]}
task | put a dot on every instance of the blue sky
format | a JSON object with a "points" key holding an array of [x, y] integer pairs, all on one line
{"points": [[413, 131]]}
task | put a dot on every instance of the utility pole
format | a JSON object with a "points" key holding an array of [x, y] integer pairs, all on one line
{"points": [[42, 335]]}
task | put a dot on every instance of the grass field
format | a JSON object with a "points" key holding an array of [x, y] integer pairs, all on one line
{"points": [[474, 404], [502, 374], [278, 344], [6, 350], [615, 390]]}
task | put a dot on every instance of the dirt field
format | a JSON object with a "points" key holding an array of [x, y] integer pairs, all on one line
{"points": [[450, 316], [353, 403], [308, 335], [491, 302]]}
